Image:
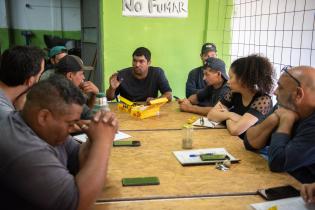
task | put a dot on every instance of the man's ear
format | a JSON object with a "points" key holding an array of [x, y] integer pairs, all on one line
{"points": [[299, 95], [30, 81], [69, 75], [43, 117]]}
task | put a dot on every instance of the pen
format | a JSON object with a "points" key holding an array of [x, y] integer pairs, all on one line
{"points": [[197, 155]]}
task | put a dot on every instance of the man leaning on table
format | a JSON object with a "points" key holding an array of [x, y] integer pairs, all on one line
{"points": [[195, 81], [216, 78], [290, 130], [42, 167], [141, 82]]}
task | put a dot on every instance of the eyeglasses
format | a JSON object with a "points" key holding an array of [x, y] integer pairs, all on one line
{"points": [[286, 70]]}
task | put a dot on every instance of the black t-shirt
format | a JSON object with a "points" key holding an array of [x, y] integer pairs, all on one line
{"points": [[260, 105], [209, 96], [134, 89]]}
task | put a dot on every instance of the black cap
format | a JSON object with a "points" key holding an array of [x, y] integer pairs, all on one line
{"points": [[217, 65], [208, 47], [71, 63]]}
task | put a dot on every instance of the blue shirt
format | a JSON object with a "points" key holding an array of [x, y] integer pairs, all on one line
{"points": [[296, 153], [195, 81]]}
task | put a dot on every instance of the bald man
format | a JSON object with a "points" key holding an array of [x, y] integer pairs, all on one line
{"points": [[290, 130]]}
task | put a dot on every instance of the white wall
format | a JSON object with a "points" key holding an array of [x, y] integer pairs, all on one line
{"points": [[282, 30], [46, 15]]}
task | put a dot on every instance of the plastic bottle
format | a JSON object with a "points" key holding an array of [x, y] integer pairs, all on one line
{"points": [[101, 103], [187, 141]]}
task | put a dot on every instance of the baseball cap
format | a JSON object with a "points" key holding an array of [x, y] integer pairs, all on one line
{"points": [[71, 63], [217, 65], [208, 47], [56, 50]]}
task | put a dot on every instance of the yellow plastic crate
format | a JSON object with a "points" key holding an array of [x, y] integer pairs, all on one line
{"points": [[143, 112]]}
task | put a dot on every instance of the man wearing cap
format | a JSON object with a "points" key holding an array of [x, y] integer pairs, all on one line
{"points": [[21, 67], [195, 80], [141, 82], [55, 55], [216, 78], [72, 68]]}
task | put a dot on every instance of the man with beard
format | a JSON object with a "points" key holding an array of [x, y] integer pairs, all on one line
{"points": [[141, 82], [290, 130]]}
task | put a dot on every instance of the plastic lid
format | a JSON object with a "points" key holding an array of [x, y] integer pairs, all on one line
{"points": [[100, 95]]}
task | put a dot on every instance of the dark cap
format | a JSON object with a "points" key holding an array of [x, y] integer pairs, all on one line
{"points": [[71, 63], [217, 65], [208, 47]]}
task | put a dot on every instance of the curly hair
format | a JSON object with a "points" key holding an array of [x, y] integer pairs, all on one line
{"points": [[255, 72]]}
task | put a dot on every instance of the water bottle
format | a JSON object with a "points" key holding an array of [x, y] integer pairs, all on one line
{"points": [[101, 103]]}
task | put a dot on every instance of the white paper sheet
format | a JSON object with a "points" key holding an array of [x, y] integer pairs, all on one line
{"points": [[119, 136], [295, 203], [204, 122]]}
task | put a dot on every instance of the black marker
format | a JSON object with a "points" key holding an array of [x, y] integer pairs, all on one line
{"points": [[176, 97]]}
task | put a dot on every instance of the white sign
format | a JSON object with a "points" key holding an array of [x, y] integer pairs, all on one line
{"points": [[155, 8]]}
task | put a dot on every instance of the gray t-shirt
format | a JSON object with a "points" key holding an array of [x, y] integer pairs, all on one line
{"points": [[6, 107], [34, 174]]}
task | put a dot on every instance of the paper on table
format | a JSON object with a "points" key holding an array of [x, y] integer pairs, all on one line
{"points": [[204, 122], [192, 157], [119, 136], [284, 204]]}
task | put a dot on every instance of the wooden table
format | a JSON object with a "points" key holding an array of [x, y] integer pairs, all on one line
{"points": [[170, 118], [217, 203], [155, 158]]}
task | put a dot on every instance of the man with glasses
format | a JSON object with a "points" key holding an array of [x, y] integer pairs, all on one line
{"points": [[290, 130], [21, 67]]}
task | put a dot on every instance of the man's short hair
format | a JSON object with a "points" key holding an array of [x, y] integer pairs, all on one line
{"points": [[20, 63], [142, 51], [54, 93]]}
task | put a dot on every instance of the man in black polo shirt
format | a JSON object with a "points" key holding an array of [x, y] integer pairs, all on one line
{"points": [[141, 82], [215, 76]]}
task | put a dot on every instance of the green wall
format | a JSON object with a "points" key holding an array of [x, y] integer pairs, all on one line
{"points": [[36, 40], [174, 43], [4, 39]]}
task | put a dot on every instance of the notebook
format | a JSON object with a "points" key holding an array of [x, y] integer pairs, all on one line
{"points": [[192, 157], [204, 122]]}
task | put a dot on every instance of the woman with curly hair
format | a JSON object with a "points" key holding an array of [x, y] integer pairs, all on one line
{"points": [[248, 101]]}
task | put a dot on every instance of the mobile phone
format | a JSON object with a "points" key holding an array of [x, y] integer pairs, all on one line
{"points": [[126, 143], [140, 181], [207, 157], [281, 192], [177, 98]]}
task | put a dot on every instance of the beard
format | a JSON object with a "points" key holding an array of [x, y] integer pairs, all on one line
{"points": [[288, 103]]}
